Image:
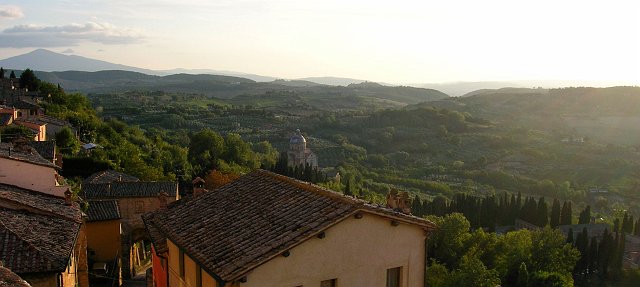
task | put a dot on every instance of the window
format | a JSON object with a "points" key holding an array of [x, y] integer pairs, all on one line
{"points": [[198, 276], [329, 283], [394, 277], [181, 262]]}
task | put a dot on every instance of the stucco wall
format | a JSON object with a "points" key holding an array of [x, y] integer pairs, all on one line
{"points": [[104, 239], [132, 208], [189, 279], [30, 176], [357, 252]]}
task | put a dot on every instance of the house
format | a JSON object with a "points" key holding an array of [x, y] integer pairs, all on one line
{"points": [[133, 198], [103, 235], [22, 166], [42, 237], [39, 128], [268, 230]]}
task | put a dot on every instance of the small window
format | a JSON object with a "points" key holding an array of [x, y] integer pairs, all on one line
{"points": [[198, 276], [394, 277], [329, 283], [181, 262]]}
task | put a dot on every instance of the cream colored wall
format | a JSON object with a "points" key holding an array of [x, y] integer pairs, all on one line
{"points": [[357, 252], [104, 239], [30, 176], [190, 266]]}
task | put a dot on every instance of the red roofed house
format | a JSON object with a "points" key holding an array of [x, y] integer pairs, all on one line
{"points": [[268, 230], [22, 166]]}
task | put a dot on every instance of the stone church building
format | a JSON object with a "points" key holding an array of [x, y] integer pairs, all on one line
{"points": [[298, 152]]}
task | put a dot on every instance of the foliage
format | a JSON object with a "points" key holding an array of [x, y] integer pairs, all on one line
{"points": [[507, 260]]}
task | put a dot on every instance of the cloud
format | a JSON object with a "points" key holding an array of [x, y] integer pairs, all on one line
{"points": [[68, 51], [10, 12], [22, 36]]}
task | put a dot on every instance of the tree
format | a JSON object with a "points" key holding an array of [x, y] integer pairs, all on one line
{"points": [[566, 213], [585, 215], [205, 149], [215, 179], [29, 80], [347, 188], [67, 141], [542, 214], [523, 275], [555, 214], [447, 242], [472, 272], [12, 75], [1, 73]]}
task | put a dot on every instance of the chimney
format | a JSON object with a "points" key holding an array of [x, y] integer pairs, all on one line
{"points": [[399, 201], [119, 177], [162, 198], [198, 186], [67, 197]]}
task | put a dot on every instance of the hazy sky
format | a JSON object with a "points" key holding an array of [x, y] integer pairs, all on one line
{"points": [[390, 41]]}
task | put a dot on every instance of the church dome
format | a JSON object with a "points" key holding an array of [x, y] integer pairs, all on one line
{"points": [[298, 138]]}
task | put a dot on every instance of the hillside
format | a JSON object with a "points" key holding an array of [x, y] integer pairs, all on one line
{"points": [[227, 87], [609, 115]]}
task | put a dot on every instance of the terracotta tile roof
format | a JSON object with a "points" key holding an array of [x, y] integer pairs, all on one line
{"points": [[24, 153], [46, 149], [255, 218], [129, 189], [100, 210], [43, 203], [37, 231], [10, 279], [109, 176]]}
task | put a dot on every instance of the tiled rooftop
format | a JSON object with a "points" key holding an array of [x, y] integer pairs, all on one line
{"points": [[109, 176], [129, 189], [37, 231], [10, 279], [24, 153], [253, 219], [100, 210]]}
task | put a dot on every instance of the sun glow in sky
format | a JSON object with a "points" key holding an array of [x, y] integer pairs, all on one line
{"points": [[387, 41]]}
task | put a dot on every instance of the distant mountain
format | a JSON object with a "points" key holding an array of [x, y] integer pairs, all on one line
{"points": [[512, 91], [257, 78], [48, 61], [332, 81], [104, 82]]}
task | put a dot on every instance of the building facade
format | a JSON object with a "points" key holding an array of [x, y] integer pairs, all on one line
{"points": [[269, 230]]}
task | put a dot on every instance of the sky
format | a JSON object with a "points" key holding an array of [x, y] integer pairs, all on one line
{"points": [[386, 41]]}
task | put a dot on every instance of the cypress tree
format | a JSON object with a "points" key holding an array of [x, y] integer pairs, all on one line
{"points": [[347, 188], [555, 214], [565, 214], [570, 236], [593, 256], [416, 206], [616, 225], [1, 73], [523, 275], [585, 215], [542, 213], [637, 229], [12, 75]]}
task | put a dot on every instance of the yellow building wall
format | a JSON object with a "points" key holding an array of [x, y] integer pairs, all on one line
{"points": [[357, 252], [189, 279], [104, 239]]}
